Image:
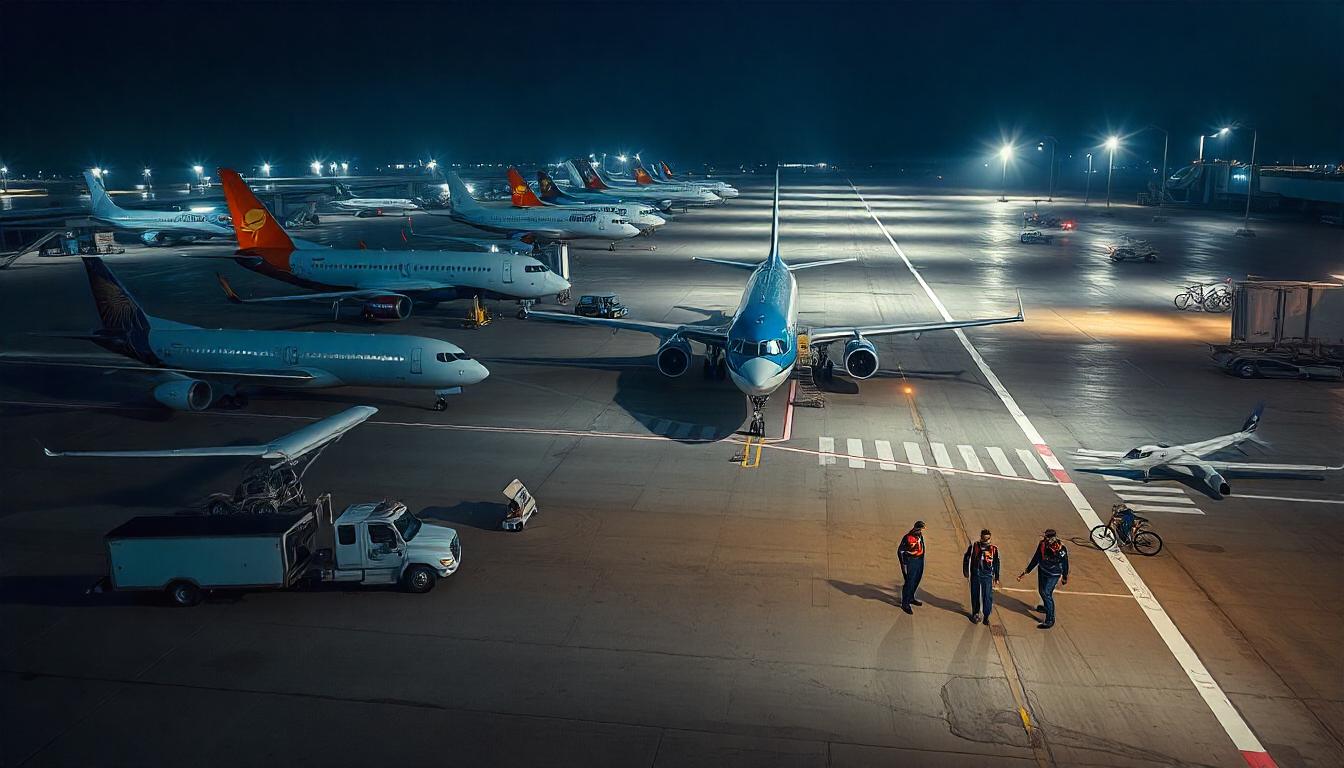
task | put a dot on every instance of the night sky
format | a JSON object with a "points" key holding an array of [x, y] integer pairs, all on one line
{"points": [[170, 83]]}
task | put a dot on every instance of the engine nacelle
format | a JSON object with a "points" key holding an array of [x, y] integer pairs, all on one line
{"points": [[388, 308], [674, 358], [1218, 485], [184, 394], [860, 358]]}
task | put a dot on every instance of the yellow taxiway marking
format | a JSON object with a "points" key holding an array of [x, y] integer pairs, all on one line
{"points": [[752, 458]]}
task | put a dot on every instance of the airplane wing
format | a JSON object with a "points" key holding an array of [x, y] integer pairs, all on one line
{"points": [[362, 293], [1253, 469], [1087, 453], [288, 447], [727, 262], [832, 333], [702, 334], [821, 263]]}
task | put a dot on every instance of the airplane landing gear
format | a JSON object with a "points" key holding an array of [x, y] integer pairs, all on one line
{"points": [[757, 417], [440, 403], [715, 367]]}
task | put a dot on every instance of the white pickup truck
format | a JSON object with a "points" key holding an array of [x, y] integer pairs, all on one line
{"points": [[371, 543]]}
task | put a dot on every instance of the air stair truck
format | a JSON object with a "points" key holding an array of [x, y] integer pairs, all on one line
{"points": [[186, 556]]}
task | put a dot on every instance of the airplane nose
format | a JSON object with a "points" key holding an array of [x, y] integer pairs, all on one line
{"points": [[656, 220], [473, 373], [757, 373]]}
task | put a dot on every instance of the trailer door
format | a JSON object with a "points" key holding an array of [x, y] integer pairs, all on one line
{"points": [[415, 360]]}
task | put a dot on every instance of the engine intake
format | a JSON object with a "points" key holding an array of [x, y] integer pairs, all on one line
{"points": [[389, 308], [185, 394], [860, 358], [674, 358], [1218, 485]]}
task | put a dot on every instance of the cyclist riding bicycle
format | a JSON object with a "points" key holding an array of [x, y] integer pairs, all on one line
{"points": [[1127, 521]]}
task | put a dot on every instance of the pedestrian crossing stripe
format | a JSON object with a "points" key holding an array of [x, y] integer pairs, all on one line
{"points": [[1146, 497]]}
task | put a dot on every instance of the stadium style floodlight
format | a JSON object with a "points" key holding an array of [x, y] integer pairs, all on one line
{"points": [[317, 167], [345, 168], [97, 172], [266, 169]]}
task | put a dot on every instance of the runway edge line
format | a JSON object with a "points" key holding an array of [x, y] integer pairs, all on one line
{"points": [[1223, 710]]}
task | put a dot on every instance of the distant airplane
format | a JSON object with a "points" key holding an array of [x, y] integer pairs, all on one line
{"points": [[545, 224], [286, 449], [197, 367], [641, 215], [1190, 461], [758, 347], [371, 206], [661, 171], [388, 283], [583, 175], [155, 227]]}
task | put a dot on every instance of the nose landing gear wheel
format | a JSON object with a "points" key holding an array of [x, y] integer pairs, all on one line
{"points": [[440, 404]]}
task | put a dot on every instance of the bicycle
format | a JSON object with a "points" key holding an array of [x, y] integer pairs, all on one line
{"points": [[1213, 297], [1141, 539]]}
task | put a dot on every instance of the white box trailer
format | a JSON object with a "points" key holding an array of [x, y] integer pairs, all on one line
{"points": [[1289, 315]]}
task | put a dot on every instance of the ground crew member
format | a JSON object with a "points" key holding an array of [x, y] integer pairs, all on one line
{"points": [[911, 555], [1052, 563], [980, 564]]}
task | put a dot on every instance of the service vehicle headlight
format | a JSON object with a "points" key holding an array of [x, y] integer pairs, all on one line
{"points": [[447, 562]]}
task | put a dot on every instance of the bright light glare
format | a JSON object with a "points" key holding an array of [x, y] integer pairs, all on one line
{"points": [[1006, 152], [621, 158], [317, 167], [1113, 142], [97, 172], [146, 173], [266, 169], [432, 164], [198, 169], [1223, 131]]}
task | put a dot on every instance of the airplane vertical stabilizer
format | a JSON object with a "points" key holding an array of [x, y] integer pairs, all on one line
{"points": [[523, 196], [1253, 420], [100, 203], [774, 225], [254, 225], [459, 196]]}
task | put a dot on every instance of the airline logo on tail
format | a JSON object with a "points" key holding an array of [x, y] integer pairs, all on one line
{"points": [[666, 170], [549, 192], [254, 219], [253, 224], [523, 197], [642, 176], [590, 179]]}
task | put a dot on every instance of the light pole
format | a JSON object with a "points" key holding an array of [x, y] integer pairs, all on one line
{"points": [[1054, 145], [199, 171], [1221, 132], [317, 167], [149, 179], [1162, 195], [1087, 198], [1246, 230], [4, 177], [1005, 153], [345, 168], [1111, 144]]}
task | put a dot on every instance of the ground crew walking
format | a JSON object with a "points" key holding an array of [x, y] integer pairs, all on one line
{"points": [[911, 555], [980, 564], [1052, 563]]}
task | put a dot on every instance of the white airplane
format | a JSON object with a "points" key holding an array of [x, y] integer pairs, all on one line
{"points": [[758, 347], [547, 223], [155, 227], [388, 283], [663, 172], [286, 449], [371, 206], [641, 215], [1191, 461], [583, 176], [194, 368]]}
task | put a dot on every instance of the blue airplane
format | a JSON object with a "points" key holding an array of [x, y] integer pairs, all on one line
{"points": [[156, 227], [758, 347]]}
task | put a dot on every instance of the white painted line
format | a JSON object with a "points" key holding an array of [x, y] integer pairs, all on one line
{"points": [[1029, 461], [968, 456], [683, 431], [706, 433], [1125, 595], [916, 458], [1117, 479], [1149, 489], [1163, 508], [1000, 460], [1233, 724], [940, 456], [855, 450], [826, 446], [1288, 498], [1142, 497], [884, 453]]}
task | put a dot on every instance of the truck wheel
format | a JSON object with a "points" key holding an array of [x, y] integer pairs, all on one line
{"points": [[419, 579], [1247, 371], [184, 594]]}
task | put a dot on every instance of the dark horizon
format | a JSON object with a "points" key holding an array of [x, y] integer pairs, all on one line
{"points": [[849, 82]]}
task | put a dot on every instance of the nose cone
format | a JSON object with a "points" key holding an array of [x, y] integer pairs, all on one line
{"points": [[655, 220], [472, 372], [629, 230], [556, 283], [757, 376]]}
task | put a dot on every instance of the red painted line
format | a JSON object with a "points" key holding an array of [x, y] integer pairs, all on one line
{"points": [[1061, 475], [1258, 759], [788, 412], [1044, 450]]}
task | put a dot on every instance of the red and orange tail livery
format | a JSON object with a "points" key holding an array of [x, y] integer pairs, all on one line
{"points": [[523, 196], [642, 176], [254, 225], [666, 171]]}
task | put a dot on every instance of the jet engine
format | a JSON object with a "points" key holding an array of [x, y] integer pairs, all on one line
{"points": [[184, 394], [674, 357], [392, 307], [860, 358], [1218, 485]]}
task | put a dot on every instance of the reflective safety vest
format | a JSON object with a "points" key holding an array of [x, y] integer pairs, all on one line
{"points": [[913, 545], [985, 555]]}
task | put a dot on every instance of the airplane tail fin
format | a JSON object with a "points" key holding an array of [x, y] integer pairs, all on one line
{"points": [[587, 174], [459, 196], [642, 176], [124, 325], [99, 201], [1253, 421], [667, 170], [549, 192], [343, 192], [523, 196], [253, 223], [774, 224]]}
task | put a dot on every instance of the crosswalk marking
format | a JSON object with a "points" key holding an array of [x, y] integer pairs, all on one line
{"points": [[1146, 497], [1156, 508], [826, 450], [968, 456], [1029, 461], [1145, 494], [1000, 460], [915, 456], [940, 456], [855, 450], [884, 452]]}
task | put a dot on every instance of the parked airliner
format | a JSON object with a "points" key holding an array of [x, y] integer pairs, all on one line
{"points": [[546, 223], [155, 227], [661, 171], [349, 202], [641, 215], [388, 283], [758, 347], [582, 175]]}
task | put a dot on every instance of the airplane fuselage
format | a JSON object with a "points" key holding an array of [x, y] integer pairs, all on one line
{"points": [[376, 204], [180, 224], [762, 339], [554, 222]]}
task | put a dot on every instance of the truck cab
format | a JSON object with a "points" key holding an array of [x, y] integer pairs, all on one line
{"points": [[383, 543]]}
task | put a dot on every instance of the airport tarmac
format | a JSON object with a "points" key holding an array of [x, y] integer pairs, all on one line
{"points": [[686, 596]]}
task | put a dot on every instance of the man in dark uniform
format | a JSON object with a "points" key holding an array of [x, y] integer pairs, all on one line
{"points": [[1051, 562], [911, 555], [980, 564]]}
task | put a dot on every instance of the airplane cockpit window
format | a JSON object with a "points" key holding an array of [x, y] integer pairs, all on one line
{"points": [[772, 347], [1133, 454], [534, 268], [448, 357]]}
